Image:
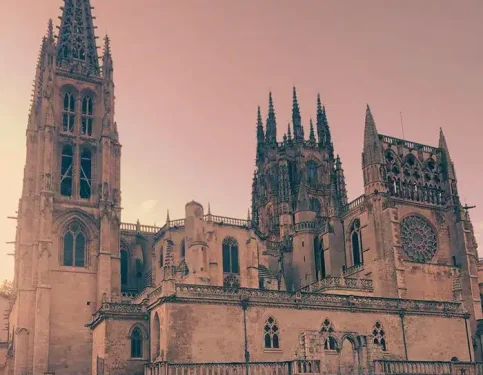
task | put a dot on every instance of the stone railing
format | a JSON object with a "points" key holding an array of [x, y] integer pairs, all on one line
{"points": [[176, 223], [128, 295], [227, 221], [331, 282], [251, 368], [352, 270], [129, 227], [354, 204], [382, 367], [316, 300], [408, 144]]}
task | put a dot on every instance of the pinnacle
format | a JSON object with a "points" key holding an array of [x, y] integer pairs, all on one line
{"points": [[312, 134], [319, 104], [50, 31], [372, 146]]}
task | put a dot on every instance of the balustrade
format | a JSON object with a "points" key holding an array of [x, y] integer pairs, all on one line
{"points": [[407, 144], [338, 282]]}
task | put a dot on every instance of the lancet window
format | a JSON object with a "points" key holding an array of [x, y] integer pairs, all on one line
{"points": [[136, 343], [311, 168], [74, 246], [271, 334], [230, 256], [68, 118], [379, 336], [183, 249], [66, 171], [85, 175], [87, 115], [319, 259], [356, 243], [124, 267]]}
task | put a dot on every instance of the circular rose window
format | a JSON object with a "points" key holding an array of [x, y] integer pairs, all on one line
{"points": [[418, 239]]}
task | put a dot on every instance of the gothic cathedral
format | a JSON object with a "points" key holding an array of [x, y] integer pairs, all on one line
{"points": [[308, 283]]}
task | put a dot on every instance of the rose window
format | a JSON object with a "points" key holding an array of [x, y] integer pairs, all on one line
{"points": [[418, 239]]}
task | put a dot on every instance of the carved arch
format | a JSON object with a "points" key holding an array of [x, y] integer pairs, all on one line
{"points": [[63, 220], [143, 329]]}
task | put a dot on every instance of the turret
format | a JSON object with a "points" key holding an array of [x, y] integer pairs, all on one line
{"points": [[373, 165], [196, 246]]}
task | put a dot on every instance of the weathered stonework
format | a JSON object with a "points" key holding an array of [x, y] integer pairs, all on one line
{"points": [[308, 283]]}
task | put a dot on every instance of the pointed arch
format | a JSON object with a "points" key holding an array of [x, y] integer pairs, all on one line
{"points": [[356, 242], [230, 256], [87, 113], [312, 173], [137, 339], [74, 245]]}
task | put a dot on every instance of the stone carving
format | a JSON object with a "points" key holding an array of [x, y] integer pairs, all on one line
{"points": [[418, 239]]}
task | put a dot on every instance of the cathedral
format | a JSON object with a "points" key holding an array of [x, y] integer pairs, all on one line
{"points": [[309, 283]]}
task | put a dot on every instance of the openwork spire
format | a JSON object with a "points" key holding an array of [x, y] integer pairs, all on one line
{"points": [[372, 146], [271, 122], [76, 48], [107, 46]]}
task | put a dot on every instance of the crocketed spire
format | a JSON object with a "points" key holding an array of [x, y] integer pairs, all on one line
{"points": [[271, 136], [372, 153], [260, 135], [296, 118], [446, 158]]}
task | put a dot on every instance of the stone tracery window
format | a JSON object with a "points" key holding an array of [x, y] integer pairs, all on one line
{"points": [[379, 336], [124, 266], [418, 239], [330, 343], [68, 117], [271, 334], [356, 243], [87, 115], [66, 164], [74, 246], [230, 256], [85, 175]]}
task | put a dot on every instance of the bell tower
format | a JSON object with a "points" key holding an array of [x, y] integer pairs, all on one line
{"points": [[67, 247]]}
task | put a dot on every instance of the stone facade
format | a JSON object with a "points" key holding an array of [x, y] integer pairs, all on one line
{"points": [[307, 283]]}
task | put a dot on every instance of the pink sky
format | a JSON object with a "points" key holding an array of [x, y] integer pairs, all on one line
{"points": [[190, 74]]}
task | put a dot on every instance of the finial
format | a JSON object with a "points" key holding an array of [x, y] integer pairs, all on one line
{"points": [[248, 216], [209, 209], [289, 132], [167, 218], [271, 126], [319, 103]]}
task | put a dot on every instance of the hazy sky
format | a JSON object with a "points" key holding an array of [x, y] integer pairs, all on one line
{"points": [[190, 74]]}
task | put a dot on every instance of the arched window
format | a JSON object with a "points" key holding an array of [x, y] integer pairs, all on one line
{"points": [[183, 249], [311, 168], [156, 337], [319, 259], [136, 343], [124, 267], [85, 175], [68, 118], [161, 257], [379, 336], [327, 326], [230, 256], [271, 334], [74, 246], [330, 343], [356, 242], [66, 171], [87, 117]]}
